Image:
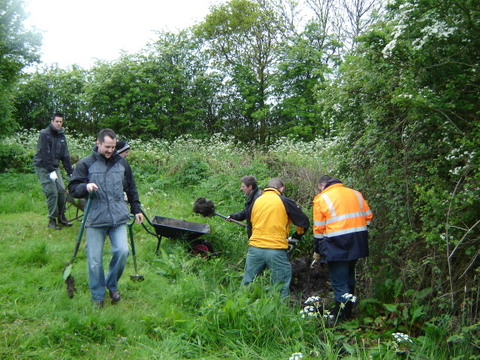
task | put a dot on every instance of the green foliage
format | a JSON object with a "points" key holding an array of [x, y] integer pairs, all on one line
{"points": [[13, 158], [410, 142], [190, 307], [397, 120], [18, 49], [51, 89]]}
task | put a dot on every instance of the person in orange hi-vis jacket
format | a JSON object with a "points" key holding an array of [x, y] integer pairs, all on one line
{"points": [[341, 217]]}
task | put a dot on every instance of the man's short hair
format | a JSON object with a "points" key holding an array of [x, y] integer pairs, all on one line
{"points": [[276, 183], [250, 180], [57, 114], [106, 132], [324, 179]]}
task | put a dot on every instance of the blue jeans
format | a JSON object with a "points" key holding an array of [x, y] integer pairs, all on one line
{"points": [[342, 278], [119, 249], [276, 260]]}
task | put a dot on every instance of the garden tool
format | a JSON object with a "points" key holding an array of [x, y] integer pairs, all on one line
{"points": [[67, 273], [134, 277], [206, 208]]}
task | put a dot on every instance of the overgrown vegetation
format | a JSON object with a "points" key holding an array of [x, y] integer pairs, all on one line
{"points": [[194, 308], [391, 109]]}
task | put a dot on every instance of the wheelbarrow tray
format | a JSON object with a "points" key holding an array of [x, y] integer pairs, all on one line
{"points": [[178, 229]]}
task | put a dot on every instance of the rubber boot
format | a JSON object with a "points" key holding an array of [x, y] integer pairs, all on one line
{"points": [[347, 310], [349, 305], [53, 224]]}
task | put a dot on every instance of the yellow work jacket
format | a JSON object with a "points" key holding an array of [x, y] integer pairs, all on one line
{"points": [[340, 217], [271, 216]]}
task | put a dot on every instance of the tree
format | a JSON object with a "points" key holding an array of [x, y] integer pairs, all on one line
{"points": [[243, 37], [408, 103], [164, 91], [18, 49], [303, 67], [40, 94]]}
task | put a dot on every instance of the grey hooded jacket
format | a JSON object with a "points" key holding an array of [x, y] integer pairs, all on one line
{"points": [[113, 177]]}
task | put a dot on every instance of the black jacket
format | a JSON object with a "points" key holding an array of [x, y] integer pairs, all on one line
{"points": [[242, 215], [51, 148]]}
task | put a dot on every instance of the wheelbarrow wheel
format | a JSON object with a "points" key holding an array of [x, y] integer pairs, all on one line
{"points": [[202, 248]]}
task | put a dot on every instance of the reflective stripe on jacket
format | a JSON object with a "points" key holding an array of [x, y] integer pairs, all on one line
{"points": [[271, 216], [341, 216]]}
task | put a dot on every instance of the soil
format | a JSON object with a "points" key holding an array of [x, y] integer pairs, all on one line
{"points": [[307, 281]]}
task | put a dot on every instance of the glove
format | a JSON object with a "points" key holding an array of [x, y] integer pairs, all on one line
{"points": [[53, 175], [316, 259], [291, 244]]}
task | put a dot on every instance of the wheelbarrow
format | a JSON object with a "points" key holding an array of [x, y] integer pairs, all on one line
{"points": [[179, 230]]}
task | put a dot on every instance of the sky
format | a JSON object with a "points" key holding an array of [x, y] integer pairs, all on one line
{"points": [[80, 32]]}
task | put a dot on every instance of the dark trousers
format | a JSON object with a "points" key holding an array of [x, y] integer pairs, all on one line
{"points": [[342, 278], [54, 192]]}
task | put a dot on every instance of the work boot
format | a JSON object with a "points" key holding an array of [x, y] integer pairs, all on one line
{"points": [[339, 311], [52, 223], [347, 311], [63, 220], [115, 296]]}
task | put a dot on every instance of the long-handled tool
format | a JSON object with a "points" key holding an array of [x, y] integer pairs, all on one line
{"points": [[67, 273], [134, 277], [206, 208]]}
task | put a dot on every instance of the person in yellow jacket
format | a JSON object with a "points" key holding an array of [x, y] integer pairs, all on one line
{"points": [[340, 217], [271, 217]]}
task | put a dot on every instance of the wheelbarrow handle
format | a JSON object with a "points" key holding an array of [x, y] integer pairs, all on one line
{"points": [[232, 220], [149, 222]]}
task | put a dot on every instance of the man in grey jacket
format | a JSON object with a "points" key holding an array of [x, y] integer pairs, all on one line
{"points": [[108, 175], [51, 149]]}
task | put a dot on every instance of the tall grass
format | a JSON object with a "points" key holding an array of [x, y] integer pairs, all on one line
{"points": [[188, 307]]}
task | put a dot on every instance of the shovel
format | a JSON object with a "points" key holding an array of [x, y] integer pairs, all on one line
{"points": [[134, 277], [206, 208], [67, 273]]}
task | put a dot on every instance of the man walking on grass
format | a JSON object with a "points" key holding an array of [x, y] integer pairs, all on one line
{"points": [[108, 175], [51, 149]]}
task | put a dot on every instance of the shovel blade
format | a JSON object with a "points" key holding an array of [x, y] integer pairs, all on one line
{"points": [[67, 272], [137, 277]]}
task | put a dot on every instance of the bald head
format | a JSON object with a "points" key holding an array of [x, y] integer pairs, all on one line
{"points": [[276, 183]]}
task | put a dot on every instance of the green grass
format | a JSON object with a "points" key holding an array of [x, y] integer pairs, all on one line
{"points": [[187, 307]]}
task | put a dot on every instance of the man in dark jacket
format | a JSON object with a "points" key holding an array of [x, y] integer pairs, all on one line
{"points": [[108, 175], [51, 149], [250, 188], [271, 215]]}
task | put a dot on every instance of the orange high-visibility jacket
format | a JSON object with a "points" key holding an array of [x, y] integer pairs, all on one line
{"points": [[341, 216]]}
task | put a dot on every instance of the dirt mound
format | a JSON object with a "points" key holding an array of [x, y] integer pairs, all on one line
{"points": [[308, 281]]}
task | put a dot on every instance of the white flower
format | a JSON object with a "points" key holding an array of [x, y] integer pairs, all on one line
{"points": [[296, 356], [313, 299], [349, 297], [401, 337]]}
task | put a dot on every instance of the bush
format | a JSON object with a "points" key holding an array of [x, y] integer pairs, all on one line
{"points": [[14, 158]]}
